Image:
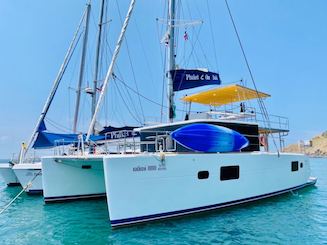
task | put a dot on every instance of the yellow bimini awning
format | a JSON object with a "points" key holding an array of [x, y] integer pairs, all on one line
{"points": [[224, 95]]}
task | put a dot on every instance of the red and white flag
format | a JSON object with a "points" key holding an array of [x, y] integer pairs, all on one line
{"points": [[185, 36]]}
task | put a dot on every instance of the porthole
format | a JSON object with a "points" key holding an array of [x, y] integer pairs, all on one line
{"points": [[229, 172], [203, 175], [295, 166]]}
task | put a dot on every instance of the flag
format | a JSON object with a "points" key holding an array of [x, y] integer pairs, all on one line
{"points": [[185, 36]]}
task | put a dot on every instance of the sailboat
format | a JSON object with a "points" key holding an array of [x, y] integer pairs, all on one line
{"points": [[29, 173], [79, 174], [211, 160], [27, 170]]}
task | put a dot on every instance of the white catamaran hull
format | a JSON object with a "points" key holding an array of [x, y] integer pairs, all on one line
{"points": [[8, 174], [149, 186], [30, 174], [70, 178]]}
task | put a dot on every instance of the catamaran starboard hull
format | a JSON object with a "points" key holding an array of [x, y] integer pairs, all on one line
{"points": [[149, 187]]}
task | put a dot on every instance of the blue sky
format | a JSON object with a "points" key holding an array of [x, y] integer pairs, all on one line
{"points": [[285, 41]]}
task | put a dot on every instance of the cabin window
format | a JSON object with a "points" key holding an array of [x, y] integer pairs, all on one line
{"points": [[203, 175], [229, 172], [295, 166], [301, 165], [86, 166]]}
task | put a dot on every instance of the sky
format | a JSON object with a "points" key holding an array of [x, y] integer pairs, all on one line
{"points": [[285, 42]]}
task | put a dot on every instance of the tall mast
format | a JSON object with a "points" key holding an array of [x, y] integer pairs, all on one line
{"points": [[97, 58], [171, 58], [111, 67], [55, 84], [82, 66]]}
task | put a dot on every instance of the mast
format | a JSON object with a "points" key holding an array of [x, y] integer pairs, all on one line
{"points": [[171, 58], [55, 84], [111, 67], [81, 71], [97, 57]]}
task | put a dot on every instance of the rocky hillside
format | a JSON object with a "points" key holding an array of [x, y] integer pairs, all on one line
{"points": [[316, 146]]}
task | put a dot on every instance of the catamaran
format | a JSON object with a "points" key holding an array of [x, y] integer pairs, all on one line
{"points": [[212, 159], [29, 173], [79, 174]]}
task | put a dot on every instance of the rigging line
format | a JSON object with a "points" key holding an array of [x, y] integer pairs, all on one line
{"points": [[163, 16], [117, 69], [212, 36], [129, 96], [131, 63], [57, 125], [145, 55], [184, 46], [163, 90], [163, 66], [48, 120], [119, 115], [260, 100], [193, 44], [141, 95], [71, 78], [177, 29], [195, 57], [125, 103]]}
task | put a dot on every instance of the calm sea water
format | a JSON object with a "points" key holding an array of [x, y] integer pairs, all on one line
{"points": [[299, 218]]}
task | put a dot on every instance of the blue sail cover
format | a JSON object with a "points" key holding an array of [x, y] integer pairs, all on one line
{"points": [[42, 126], [48, 140], [210, 138], [186, 79]]}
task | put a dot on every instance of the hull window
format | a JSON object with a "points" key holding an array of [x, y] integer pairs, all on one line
{"points": [[86, 166], [295, 166], [203, 175], [229, 172]]}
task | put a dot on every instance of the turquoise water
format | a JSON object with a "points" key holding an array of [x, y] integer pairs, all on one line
{"points": [[299, 218]]}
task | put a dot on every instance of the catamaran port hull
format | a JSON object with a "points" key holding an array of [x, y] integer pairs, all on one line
{"points": [[8, 174], [148, 187], [71, 178], [30, 174]]}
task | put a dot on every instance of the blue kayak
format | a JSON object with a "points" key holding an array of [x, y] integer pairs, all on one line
{"points": [[204, 137]]}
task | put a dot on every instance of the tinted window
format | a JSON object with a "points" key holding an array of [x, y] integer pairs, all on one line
{"points": [[229, 172], [203, 175], [295, 166]]}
